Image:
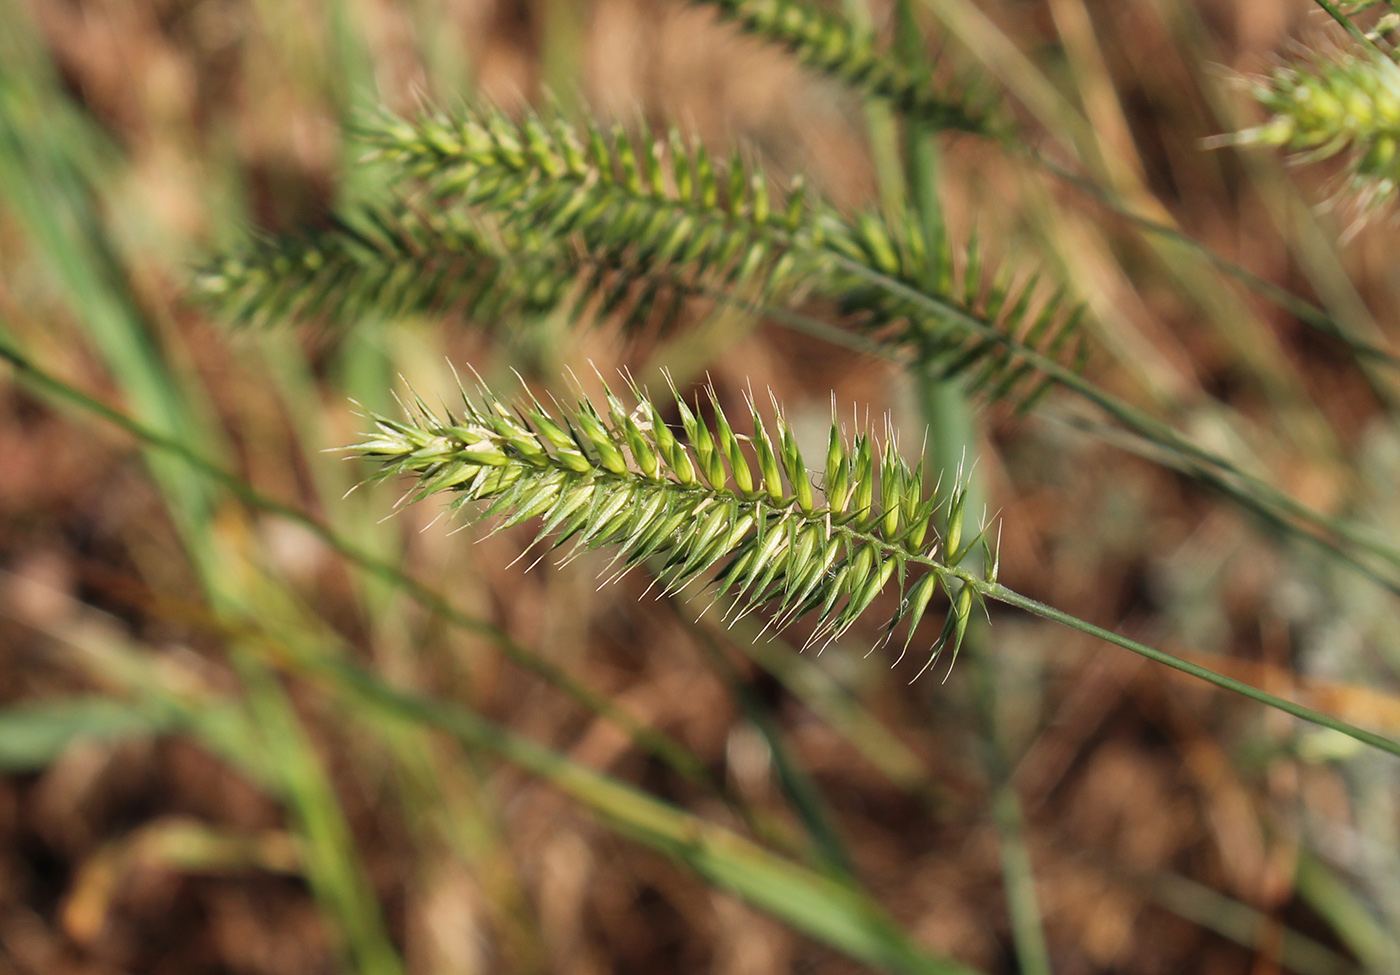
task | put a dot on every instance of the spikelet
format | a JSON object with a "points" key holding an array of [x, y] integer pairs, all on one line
{"points": [[662, 205], [994, 333], [702, 501], [1330, 103]]}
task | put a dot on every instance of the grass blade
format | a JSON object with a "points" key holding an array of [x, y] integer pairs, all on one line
{"points": [[32, 736]]}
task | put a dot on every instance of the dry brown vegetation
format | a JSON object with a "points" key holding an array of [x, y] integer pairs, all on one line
{"points": [[1170, 827]]}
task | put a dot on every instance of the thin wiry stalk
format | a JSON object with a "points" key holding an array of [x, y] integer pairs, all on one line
{"points": [[1311, 315], [1337, 535], [946, 413], [1342, 13], [835, 45], [696, 500]]}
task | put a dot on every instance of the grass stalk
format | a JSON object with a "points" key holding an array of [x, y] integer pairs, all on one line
{"points": [[1008, 816], [1001, 594], [1253, 493], [947, 418]]}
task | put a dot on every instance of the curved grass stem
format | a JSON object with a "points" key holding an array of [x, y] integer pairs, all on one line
{"points": [[1009, 597]]}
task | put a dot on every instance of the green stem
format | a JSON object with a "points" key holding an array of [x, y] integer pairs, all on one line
{"points": [[1011, 598], [948, 419], [1333, 11], [1017, 868]]}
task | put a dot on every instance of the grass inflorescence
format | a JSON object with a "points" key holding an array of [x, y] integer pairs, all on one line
{"points": [[506, 216], [703, 499], [1329, 103], [521, 214], [665, 204]]}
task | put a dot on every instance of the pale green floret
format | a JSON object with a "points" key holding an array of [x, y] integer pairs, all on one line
{"points": [[838, 468], [863, 497], [628, 482]]}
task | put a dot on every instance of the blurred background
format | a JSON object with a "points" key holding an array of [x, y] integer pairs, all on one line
{"points": [[206, 768]]}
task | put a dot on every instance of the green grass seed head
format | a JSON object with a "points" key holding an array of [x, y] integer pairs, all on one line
{"points": [[1334, 103], [622, 479]]}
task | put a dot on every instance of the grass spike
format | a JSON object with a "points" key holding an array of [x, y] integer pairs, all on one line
{"points": [[523, 219], [610, 478]]}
